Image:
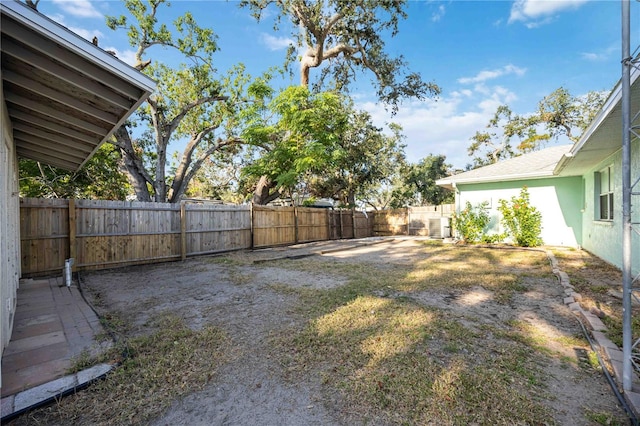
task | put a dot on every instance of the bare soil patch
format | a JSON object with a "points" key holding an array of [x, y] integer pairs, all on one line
{"points": [[396, 332]]}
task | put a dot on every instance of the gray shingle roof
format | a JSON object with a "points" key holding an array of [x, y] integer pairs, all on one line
{"points": [[538, 164]]}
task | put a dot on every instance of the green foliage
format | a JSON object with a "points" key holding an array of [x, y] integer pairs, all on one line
{"points": [[494, 144], [509, 135], [493, 238], [145, 31], [365, 159], [301, 140], [563, 114], [192, 103], [522, 221], [418, 187], [471, 222], [99, 178], [343, 39]]}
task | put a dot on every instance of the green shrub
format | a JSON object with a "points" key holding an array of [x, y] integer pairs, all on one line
{"points": [[493, 238], [522, 221], [471, 222]]}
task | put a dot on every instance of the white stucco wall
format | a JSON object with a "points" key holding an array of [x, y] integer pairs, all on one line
{"points": [[558, 199], [604, 238], [9, 226]]}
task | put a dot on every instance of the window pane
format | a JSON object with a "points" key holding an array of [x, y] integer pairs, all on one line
{"points": [[610, 197], [604, 207], [604, 181]]}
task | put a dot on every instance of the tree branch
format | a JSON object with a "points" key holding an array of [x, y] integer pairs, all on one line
{"points": [[182, 179], [175, 122]]}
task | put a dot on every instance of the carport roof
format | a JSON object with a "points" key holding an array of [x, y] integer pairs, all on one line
{"points": [[64, 95]]}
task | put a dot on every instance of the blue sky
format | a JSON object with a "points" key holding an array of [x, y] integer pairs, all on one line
{"points": [[481, 53]]}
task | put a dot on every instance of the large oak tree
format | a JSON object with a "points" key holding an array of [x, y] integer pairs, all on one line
{"points": [[343, 38], [558, 114], [366, 160], [297, 136], [193, 103]]}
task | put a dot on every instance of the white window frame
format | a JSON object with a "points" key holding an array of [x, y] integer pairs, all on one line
{"points": [[604, 194]]}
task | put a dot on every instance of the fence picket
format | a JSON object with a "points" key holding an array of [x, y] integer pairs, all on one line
{"points": [[104, 234]]}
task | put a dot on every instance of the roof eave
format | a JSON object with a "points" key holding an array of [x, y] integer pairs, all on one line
{"points": [[451, 183], [609, 106], [77, 44]]}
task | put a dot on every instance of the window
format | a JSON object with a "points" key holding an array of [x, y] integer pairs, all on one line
{"points": [[604, 186]]}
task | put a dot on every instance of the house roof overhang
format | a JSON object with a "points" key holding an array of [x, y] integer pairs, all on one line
{"points": [[450, 183], [534, 165], [603, 137], [64, 95]]}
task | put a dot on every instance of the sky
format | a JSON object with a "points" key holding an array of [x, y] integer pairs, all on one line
{"points": [[482, 54]]}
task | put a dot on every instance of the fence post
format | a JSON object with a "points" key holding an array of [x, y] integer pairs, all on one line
{"points": [[295, 223], [72, 233], [353, 221], [408, 219], [328, 216], [251, 223], [183, 229]]}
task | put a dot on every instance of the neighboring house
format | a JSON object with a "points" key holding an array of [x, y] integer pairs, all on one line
{"points": [[578, 189], [60, 98]]}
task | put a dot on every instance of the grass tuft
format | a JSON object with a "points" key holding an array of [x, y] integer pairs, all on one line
{"points": [[155, 370]]}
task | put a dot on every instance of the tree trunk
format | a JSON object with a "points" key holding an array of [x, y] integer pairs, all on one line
{"points": [[261, 195], [351, 199], [136, 179], [132, 165]]}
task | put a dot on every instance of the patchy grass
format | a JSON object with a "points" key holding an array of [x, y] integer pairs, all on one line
{"points": [[386, 358], [605, 419], [413, 365], [598, 282], [155, 370], [395, 360]]}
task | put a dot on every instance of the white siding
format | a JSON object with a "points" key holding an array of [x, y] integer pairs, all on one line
{"points": [[9, 227]]}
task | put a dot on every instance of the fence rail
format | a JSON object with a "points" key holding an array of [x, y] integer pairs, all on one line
{"points": [[106, 234]]}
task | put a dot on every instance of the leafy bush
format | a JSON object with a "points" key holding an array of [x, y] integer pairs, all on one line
{"points": [[493, 238], [471, 222], [522, 221]]}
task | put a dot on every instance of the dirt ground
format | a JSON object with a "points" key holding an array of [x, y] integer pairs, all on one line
{"points": [[248, 302]]}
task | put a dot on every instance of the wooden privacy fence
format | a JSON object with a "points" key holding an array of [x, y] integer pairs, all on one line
{"points": [[432, 221], [273, 226], [105, 234]]}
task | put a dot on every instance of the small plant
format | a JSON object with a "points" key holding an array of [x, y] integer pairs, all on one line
{"points": [[471, 222], [493, 238], [522, 221]]}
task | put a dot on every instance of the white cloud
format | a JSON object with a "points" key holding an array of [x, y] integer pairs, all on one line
{"points": [[462, 93], [444, 126], [483, 76], [535, 13], [437, 16], [601, 55], [537, 24], [275, 43], [87, 34], [126, 56], [79, 8], [82, 32]]}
